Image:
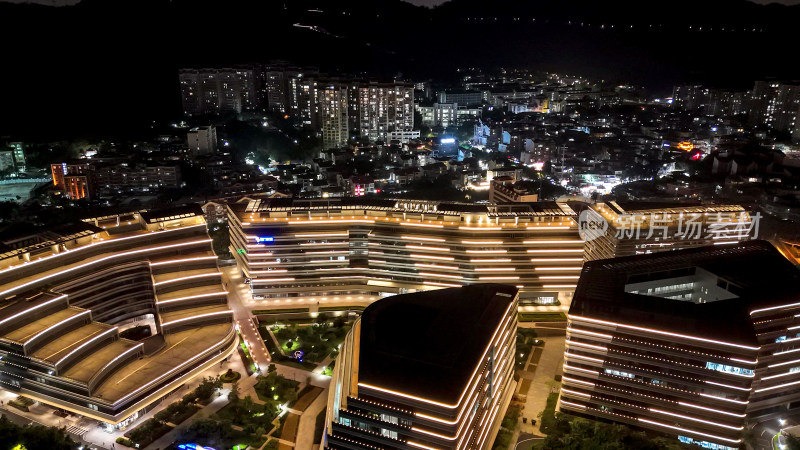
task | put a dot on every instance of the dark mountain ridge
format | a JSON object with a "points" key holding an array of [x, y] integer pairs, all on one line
{"points": [[111, 66]]}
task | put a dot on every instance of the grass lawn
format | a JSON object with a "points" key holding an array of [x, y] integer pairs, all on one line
{"points": [[328, 370], [281, 359], [317, 340], [542, 317]]}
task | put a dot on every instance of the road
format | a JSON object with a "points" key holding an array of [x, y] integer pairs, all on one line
{"points": [[525, 441], [241, 301]]}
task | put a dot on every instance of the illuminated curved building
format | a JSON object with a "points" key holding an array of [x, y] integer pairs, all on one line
{"points": [[693, 343], [67, 293], [429, 370], [305, 251]]}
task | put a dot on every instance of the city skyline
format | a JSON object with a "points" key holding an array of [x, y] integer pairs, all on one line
{"points": [[350, 225]]}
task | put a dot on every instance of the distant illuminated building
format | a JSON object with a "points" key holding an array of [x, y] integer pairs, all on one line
{"points": [[77, 187], [385, 107], [333, 109], [502, 190], [218, 91], [635, 228], [202, 140], [695, 344], [445, 384]]}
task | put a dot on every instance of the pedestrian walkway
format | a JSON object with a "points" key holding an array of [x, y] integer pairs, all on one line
{"points": [[308, 422], [549, 365], [207, 411], [77, 431]]}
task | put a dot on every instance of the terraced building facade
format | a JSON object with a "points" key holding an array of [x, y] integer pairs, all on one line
{"points": [[694, 343], [298, 251], [67, 293]]}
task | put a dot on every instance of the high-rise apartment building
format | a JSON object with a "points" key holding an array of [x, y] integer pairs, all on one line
{"points": [[694, 344], [690, 96], [725, 103], [634, 228], [304, 99], [775, 104], [217, 91], [68, 293], [309, 252], [334, 114], [445, 384], [385, 107], [276, 76]]}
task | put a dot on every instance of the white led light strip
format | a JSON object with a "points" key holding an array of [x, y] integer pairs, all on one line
{"points": [[666, 333], [191, 297], [105, 258], [78, 348]]}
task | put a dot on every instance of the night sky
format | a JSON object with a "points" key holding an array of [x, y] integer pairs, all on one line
{"points": [[416, 2], [763, 2]]}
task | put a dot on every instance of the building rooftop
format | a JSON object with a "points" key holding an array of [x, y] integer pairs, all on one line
{"points": [[669, 207], [750, 275], [179, 349], [401, 205], [178, 212], [428, 343], [26, 332]]}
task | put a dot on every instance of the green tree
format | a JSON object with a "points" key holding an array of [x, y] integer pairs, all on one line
{"points": [[207, 387]]}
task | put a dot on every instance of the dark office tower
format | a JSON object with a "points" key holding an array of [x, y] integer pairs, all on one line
{"points": [[693, 343], [426, 370]]}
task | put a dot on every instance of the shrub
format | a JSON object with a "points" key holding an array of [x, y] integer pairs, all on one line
{"points": [[230, 376], [557, 378], [124, 441]]}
